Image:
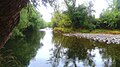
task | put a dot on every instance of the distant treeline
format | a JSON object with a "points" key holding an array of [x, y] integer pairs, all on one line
{"points": [[82, 17]]}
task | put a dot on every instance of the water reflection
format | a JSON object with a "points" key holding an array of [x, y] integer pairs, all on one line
{"points": [[55, 50], [80, 52], [18, 52], [43, 54]]}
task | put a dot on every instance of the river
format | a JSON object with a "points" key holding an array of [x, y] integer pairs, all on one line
{"points": [[47, 49]]}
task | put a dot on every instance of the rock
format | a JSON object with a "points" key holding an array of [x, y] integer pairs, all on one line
{"points": [[106, 38]]}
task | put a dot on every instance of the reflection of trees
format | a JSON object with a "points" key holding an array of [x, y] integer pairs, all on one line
{"points": [[72, 50], [54, 60], [18, 52], [110, 53]]}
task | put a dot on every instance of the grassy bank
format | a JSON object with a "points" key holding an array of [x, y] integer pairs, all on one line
{"points": [[106, 31], [62, 30], [71, 30]]}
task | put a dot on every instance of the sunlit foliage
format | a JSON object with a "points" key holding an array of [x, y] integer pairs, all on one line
{"points": [[29, 18], [110, 18], [75, 16]]}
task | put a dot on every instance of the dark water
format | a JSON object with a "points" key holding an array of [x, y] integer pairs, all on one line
{"points": [[45, 49]]}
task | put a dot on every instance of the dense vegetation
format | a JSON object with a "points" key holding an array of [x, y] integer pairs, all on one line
{"points": [[110, 18], [25, 39], [19, 51], [82, 17], [30, 19]]}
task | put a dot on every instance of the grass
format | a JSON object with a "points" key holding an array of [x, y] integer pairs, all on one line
{"points": [[106, 31], [62, 30], [70, 30]]}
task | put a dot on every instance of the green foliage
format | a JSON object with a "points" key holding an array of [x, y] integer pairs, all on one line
{"points": [[62, 30], [81, 16], [29, 18], [106, 31], [118, 4], [35, 18], [19, 51], [61, 20], [75, 17], [110, 17], [107, 19], [49, 24], [23, 23]]}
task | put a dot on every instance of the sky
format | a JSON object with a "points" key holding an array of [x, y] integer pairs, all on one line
{"points": [[46, 12], [99, 5]]}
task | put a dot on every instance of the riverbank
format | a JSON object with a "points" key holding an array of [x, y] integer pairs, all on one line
{"points": [[100, 35], [106, 38], [96, 31]]}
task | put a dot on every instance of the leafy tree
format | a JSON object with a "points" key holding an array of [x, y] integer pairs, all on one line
{"points": [[109, 18], [75, 17], [29, 18], [61, 20]]}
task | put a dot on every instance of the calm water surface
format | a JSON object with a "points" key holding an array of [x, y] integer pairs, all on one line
{"points": [[45, 49]]}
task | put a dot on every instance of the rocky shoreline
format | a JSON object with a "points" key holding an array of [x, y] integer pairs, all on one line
{"points": [[106, 38]]}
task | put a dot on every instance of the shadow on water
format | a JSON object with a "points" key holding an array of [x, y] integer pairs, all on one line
{"points": [[80, 52], [19, 51]]}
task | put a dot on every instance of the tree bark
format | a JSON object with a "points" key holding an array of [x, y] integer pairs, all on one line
{"points": [[9, 17]]}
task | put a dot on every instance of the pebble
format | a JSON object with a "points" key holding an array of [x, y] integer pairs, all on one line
{"points": [[106, 38]]}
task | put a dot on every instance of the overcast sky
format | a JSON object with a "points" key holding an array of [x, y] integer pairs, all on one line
{"points": [[99, 5]]}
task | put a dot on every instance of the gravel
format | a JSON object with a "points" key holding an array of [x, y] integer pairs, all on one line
{"points": [[107, 38]]}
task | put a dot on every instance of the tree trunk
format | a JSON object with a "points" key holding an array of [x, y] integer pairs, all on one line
{"points": [[9, 17]]}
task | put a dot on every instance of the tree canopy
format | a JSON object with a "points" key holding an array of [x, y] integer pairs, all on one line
{"points": [[82, 16]]}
